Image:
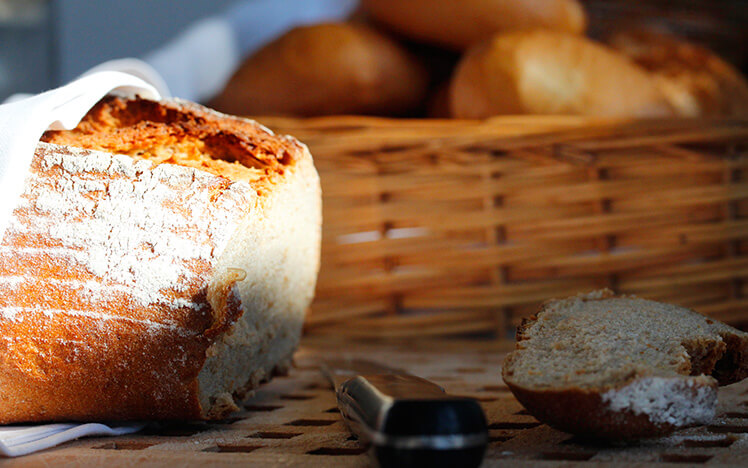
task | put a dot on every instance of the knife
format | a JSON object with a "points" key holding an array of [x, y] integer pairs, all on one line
{"points": [[407, 420]]}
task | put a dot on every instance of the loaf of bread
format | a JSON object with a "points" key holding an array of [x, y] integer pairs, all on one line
{"points": [[546, 72], [696, 82], [335, 68], [459, 24], [622, 367], [158, 265]]}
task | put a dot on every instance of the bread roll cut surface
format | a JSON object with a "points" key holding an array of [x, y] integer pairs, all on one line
{"points": [[158, 265], [623, 367]]}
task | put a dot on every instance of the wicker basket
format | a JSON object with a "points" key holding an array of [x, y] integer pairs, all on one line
{"points": [[447, 227]]}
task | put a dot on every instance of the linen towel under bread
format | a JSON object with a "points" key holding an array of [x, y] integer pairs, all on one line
{"points": [[21, 125], [23, 440]]}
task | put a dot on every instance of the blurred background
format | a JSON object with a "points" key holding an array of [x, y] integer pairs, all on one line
{"points": [[567, 166], [44, 43]]}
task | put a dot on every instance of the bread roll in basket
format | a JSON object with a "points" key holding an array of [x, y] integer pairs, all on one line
{"points": [[158, 265]]}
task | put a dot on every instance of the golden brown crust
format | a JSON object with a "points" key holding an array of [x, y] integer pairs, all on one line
{"points": [[324, 69], [79, 342], [183, 133], [107, 364], [697, 82], [549, 72], [583, 412], [460, 24]]}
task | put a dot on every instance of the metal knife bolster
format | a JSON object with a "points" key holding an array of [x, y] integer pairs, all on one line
{"points": [[402, 411]]}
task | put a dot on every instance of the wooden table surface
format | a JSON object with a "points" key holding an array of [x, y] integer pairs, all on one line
{"points": [[293, 421]]}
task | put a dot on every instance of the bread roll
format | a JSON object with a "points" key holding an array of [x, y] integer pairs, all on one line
{"points": [[546, 72], [160, 273], [622, 367], [325, 69], [695, 81], [458, 24]]}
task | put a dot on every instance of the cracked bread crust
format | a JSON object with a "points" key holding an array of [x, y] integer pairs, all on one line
{"points": [[612, 367], [158, 265]]}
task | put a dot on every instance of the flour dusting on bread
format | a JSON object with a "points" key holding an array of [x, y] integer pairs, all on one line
{"points": [[679, 402], [158, 266], [132, 230]]}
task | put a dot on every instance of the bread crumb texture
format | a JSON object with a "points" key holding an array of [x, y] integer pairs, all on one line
{"points": [[625, 357], [144, 238]]}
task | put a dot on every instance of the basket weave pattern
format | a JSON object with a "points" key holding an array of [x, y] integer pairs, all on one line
{"points": [[463, 227]]}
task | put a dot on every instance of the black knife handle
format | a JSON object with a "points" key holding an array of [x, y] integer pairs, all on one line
{"points": [[412, 422]]}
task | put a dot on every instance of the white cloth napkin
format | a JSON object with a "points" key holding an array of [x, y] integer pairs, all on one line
{"points": [[23, 440], [21, 125], [23, 122]]}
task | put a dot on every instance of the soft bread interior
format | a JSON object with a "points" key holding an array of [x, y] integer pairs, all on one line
{"points": [[621, 367], [277, 247], [597, 341]]}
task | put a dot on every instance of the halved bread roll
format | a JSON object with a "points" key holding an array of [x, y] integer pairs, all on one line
{"points": [[622, 367], [158, 265]]}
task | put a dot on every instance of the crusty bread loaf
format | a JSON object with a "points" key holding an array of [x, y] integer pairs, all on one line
{"points": [[546, 72], [459, 24], [161, 273], [335, 68], [696, 82], [622, 367]]}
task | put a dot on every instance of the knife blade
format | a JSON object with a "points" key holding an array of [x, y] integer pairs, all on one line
{"points": [[407, 420]]}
